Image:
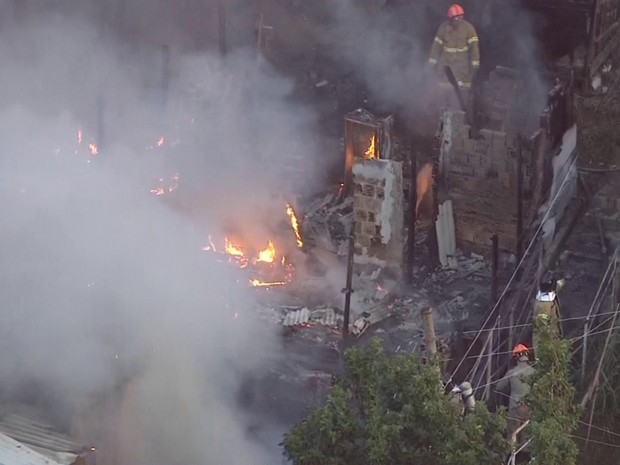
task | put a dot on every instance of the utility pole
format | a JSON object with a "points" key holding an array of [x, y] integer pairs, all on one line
{"points": [[348, 290], [429, 331]]}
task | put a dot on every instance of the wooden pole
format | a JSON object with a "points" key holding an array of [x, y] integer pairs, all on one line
{"points": [[519, 197], [413, 201], [494, 269], [348, 289], [429, 331]]}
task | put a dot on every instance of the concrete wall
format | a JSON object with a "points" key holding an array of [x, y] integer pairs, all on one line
{"points": [[378, 211]]}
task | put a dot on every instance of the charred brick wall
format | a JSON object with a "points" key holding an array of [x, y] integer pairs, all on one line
{"points": [[482, 178]]}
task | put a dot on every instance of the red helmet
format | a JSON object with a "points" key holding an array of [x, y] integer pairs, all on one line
{"points": [[520, 349], [455, 10]]}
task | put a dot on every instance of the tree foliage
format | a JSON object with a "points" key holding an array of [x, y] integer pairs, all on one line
{"points": [[555, 413], [393, 410]]}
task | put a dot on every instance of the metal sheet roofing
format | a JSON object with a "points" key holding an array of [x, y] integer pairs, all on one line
{"points": [[41, 438], [13, 452]]}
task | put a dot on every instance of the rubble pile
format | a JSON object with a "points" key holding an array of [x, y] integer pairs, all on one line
{"points": [[327, 222]]}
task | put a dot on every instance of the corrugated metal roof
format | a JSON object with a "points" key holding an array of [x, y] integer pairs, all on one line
{"points": [[41, 437], [320, 316], [13, 452]]}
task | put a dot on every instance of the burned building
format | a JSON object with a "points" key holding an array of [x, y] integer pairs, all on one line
{"points": [[500, 164]]}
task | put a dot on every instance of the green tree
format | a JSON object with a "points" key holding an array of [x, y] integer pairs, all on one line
{"points": [[555, 413], [393, 410]]}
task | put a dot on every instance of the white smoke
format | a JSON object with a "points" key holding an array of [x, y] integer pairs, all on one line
{"points": [[115, 323]]}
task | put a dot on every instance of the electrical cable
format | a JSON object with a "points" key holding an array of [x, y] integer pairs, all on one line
{"points": [[514, 274]]}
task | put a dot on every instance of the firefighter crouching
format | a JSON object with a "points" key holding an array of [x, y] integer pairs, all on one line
{"points": [[515, 382], [455, 45]]}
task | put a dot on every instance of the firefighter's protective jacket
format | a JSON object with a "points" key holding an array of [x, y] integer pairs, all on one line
{"points": [[516, 380], [456, 45]]}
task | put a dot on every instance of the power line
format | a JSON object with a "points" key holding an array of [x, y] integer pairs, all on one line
{"points": [[530, 324], [514, 274], [605, 430], [596, 442]]}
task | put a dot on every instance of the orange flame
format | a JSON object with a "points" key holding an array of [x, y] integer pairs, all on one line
{"points": [[371, 151], [232, 249], [92, 147], [267, 255], [294, 224], [160, 142], [424, 185]]}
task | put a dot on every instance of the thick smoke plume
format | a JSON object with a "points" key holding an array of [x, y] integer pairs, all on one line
{"points": [[115, 324]]}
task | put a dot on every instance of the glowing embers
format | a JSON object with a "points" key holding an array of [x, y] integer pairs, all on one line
{"points": [[165, 186], [267, 266], [91, 146]]}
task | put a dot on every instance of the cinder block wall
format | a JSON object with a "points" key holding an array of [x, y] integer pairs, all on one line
{"points": [[481, 175], [378, 212]]}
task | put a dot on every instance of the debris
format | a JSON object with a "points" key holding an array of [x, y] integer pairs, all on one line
{"points": [[446, 235], [322, 83]]}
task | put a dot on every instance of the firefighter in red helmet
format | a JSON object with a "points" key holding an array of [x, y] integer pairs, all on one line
{"points": [[456, 45], [515, 382]]}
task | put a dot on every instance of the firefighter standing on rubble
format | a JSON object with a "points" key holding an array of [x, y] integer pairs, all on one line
{"points": [[515, 381], [456, 45]]}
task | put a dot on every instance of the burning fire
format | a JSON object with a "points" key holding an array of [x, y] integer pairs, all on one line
{"points": [[92, 147], [159, 143], [163, 189], [232, 249], [371, 151], [265, 262], [269, 267], [294, 224], [267, 255]]}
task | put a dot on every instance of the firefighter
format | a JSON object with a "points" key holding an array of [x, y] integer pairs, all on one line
{"points": [[547, 306], [456, 45], [515, 381]]}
